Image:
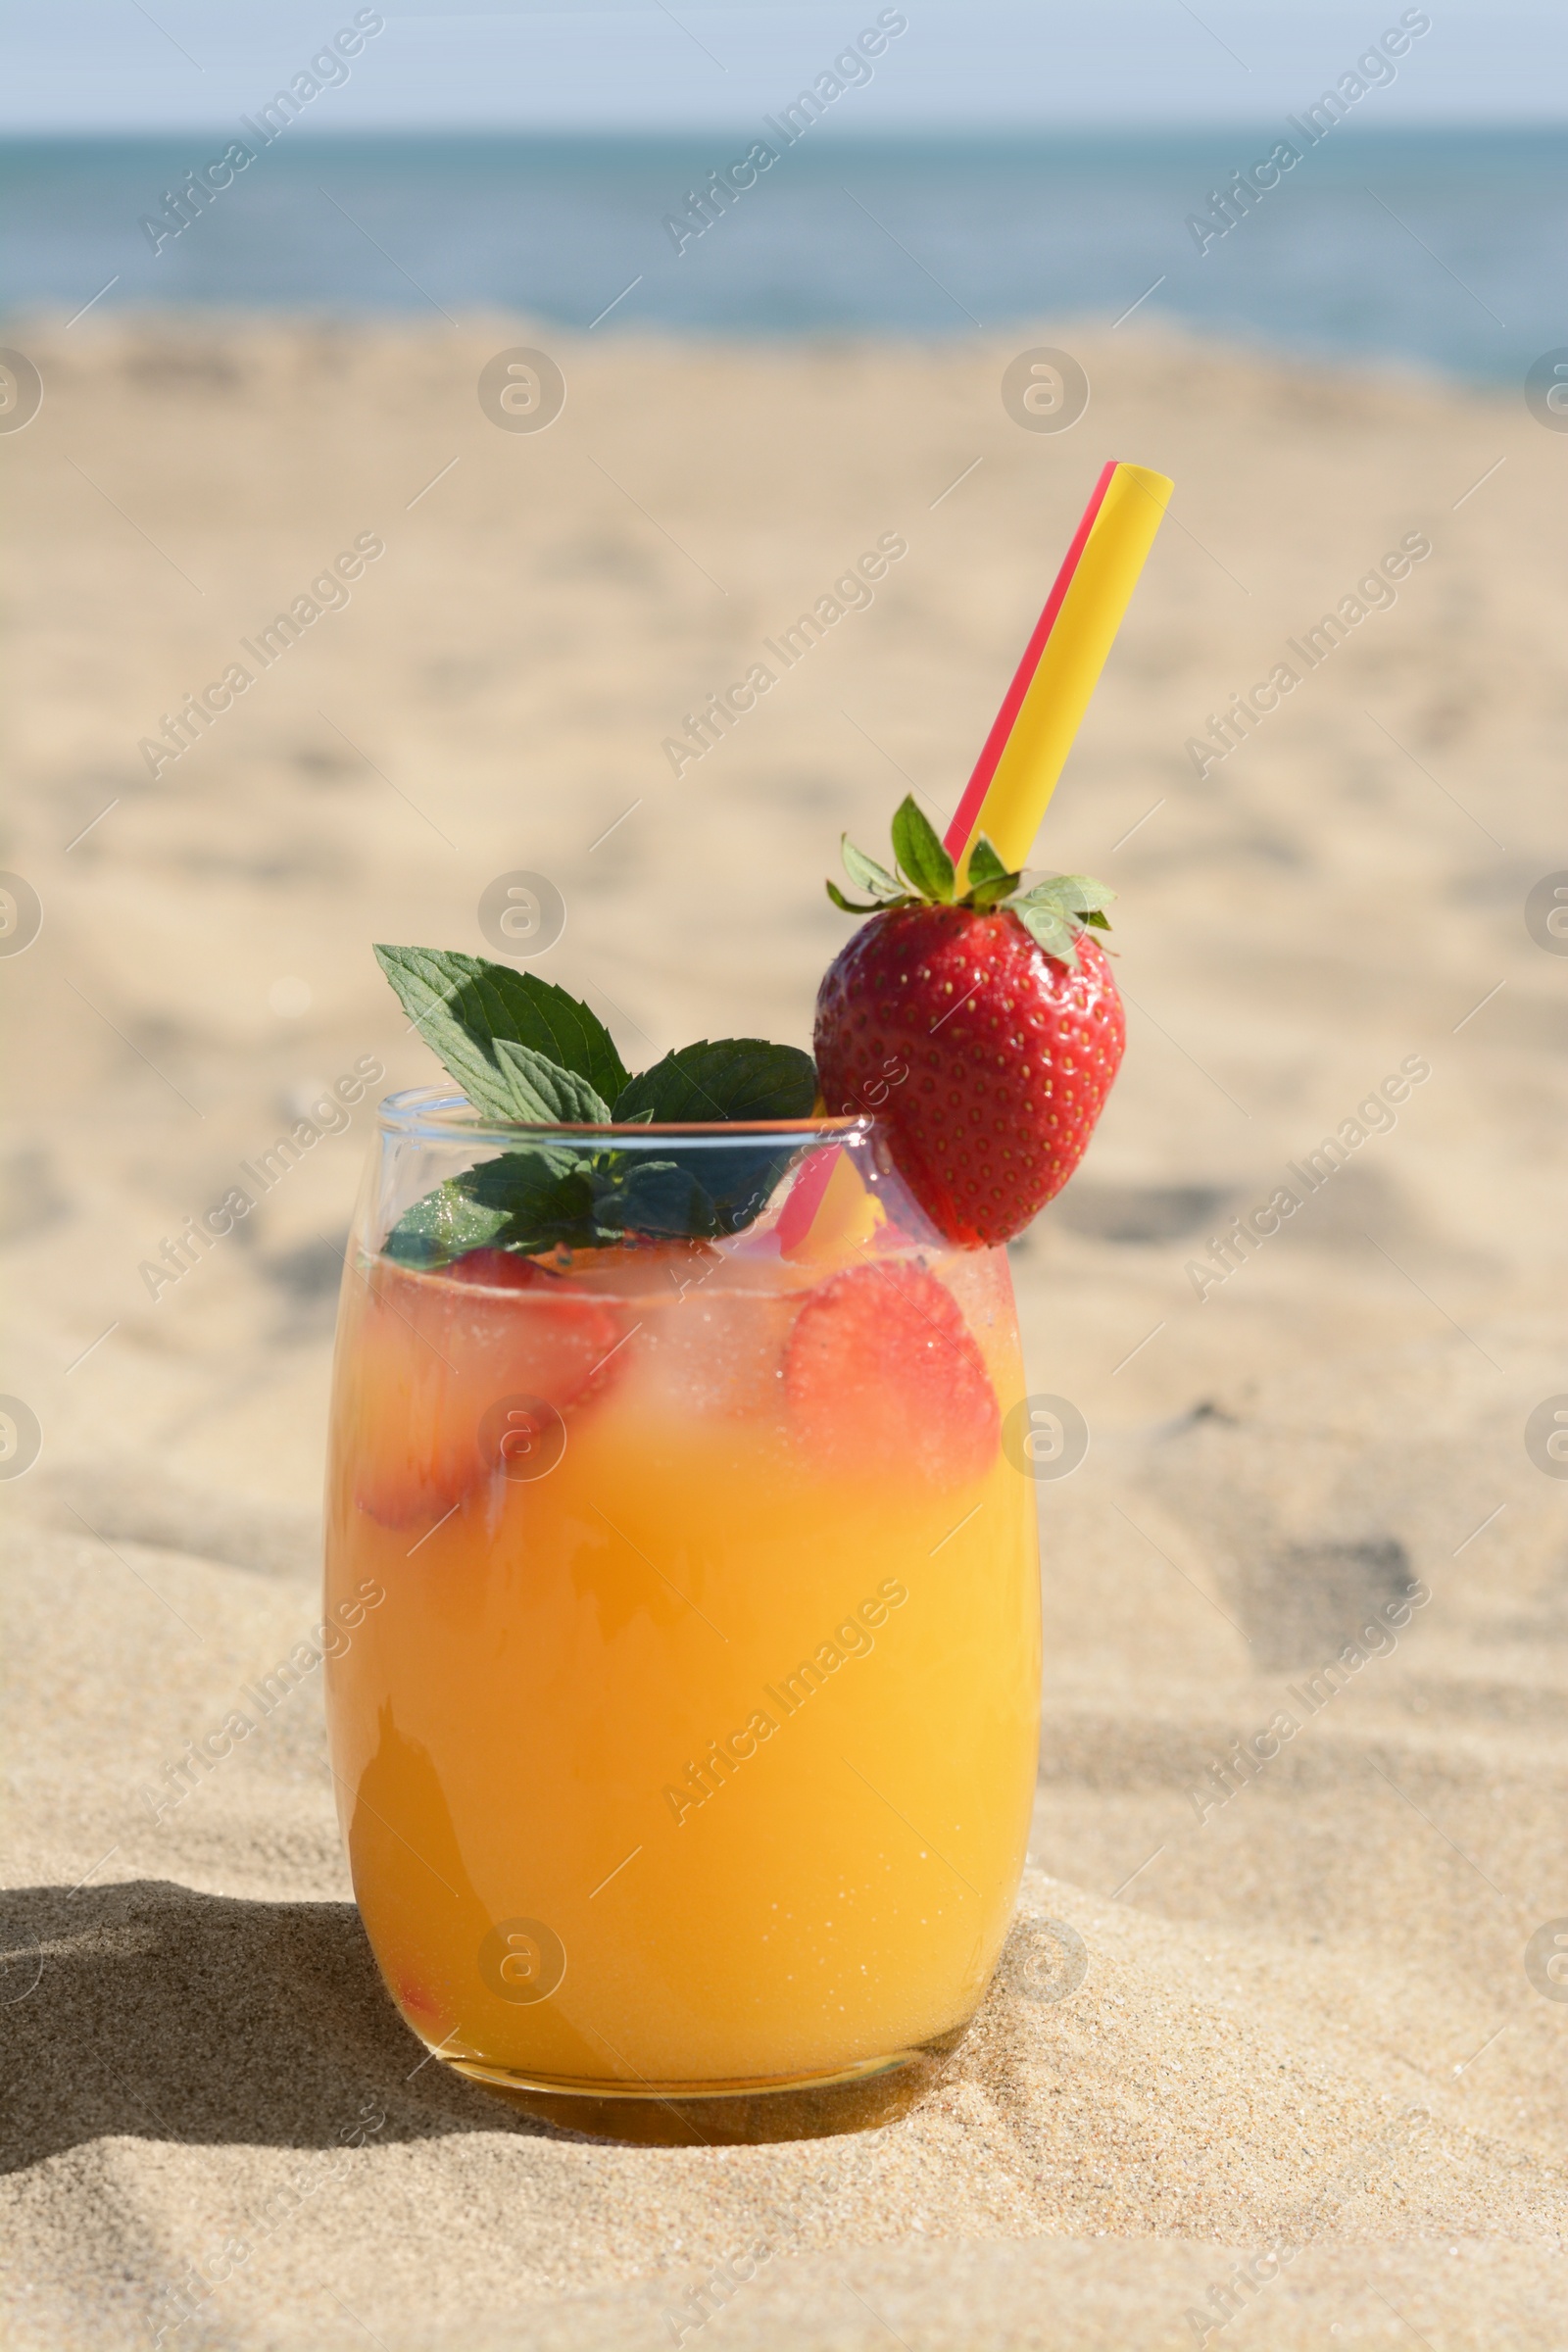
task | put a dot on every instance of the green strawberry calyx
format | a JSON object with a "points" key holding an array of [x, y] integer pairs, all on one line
{"points": [[1054, 913]]}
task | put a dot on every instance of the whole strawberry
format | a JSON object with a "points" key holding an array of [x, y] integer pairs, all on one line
{"points": [[983, 1030]]}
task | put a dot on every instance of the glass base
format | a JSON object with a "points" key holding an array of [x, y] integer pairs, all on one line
{"points": [[686, 2114]]}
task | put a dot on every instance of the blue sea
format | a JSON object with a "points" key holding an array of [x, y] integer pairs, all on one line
{"points": [[1444, 248]]}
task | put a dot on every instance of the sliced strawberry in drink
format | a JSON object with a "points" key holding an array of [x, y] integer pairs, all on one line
{"points": [[557, 1347], [412, 1997], [437, 1355], [882, 1374], [411, 1451]]}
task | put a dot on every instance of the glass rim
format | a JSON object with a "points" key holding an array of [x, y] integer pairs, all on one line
{"points": [[433, 1113]]}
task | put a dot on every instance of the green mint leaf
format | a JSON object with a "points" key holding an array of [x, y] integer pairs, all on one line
{"points": [[920, 854], [657, 1196], [1097, 918], [462, 1003], [700, 1193], [544, 1093], [865, 873], [596, 1200], [741, 1182], [732, 1078], [443, 1226], [545, 1195], [555, 1195]]}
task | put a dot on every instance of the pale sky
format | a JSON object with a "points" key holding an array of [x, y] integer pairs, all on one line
{"points": [[113, 66]]}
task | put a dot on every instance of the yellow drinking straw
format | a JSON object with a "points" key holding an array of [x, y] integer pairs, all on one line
{"points": [[1028, 744]]}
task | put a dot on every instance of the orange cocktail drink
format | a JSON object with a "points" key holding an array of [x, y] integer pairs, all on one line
{"points": [[692, 1748]]}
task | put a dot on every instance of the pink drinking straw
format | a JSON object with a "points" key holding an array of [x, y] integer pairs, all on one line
{"points": [[799, 1213]]}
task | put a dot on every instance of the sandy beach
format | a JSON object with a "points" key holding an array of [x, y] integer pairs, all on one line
{"points": [[1309, 2089]]}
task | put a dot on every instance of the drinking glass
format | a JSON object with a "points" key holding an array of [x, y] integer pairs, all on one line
{"points": [[684, 1717]]}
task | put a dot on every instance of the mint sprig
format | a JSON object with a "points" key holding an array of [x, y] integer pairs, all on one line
{"points": [[525, 1053], [463, 1005], [1055, 911]]}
